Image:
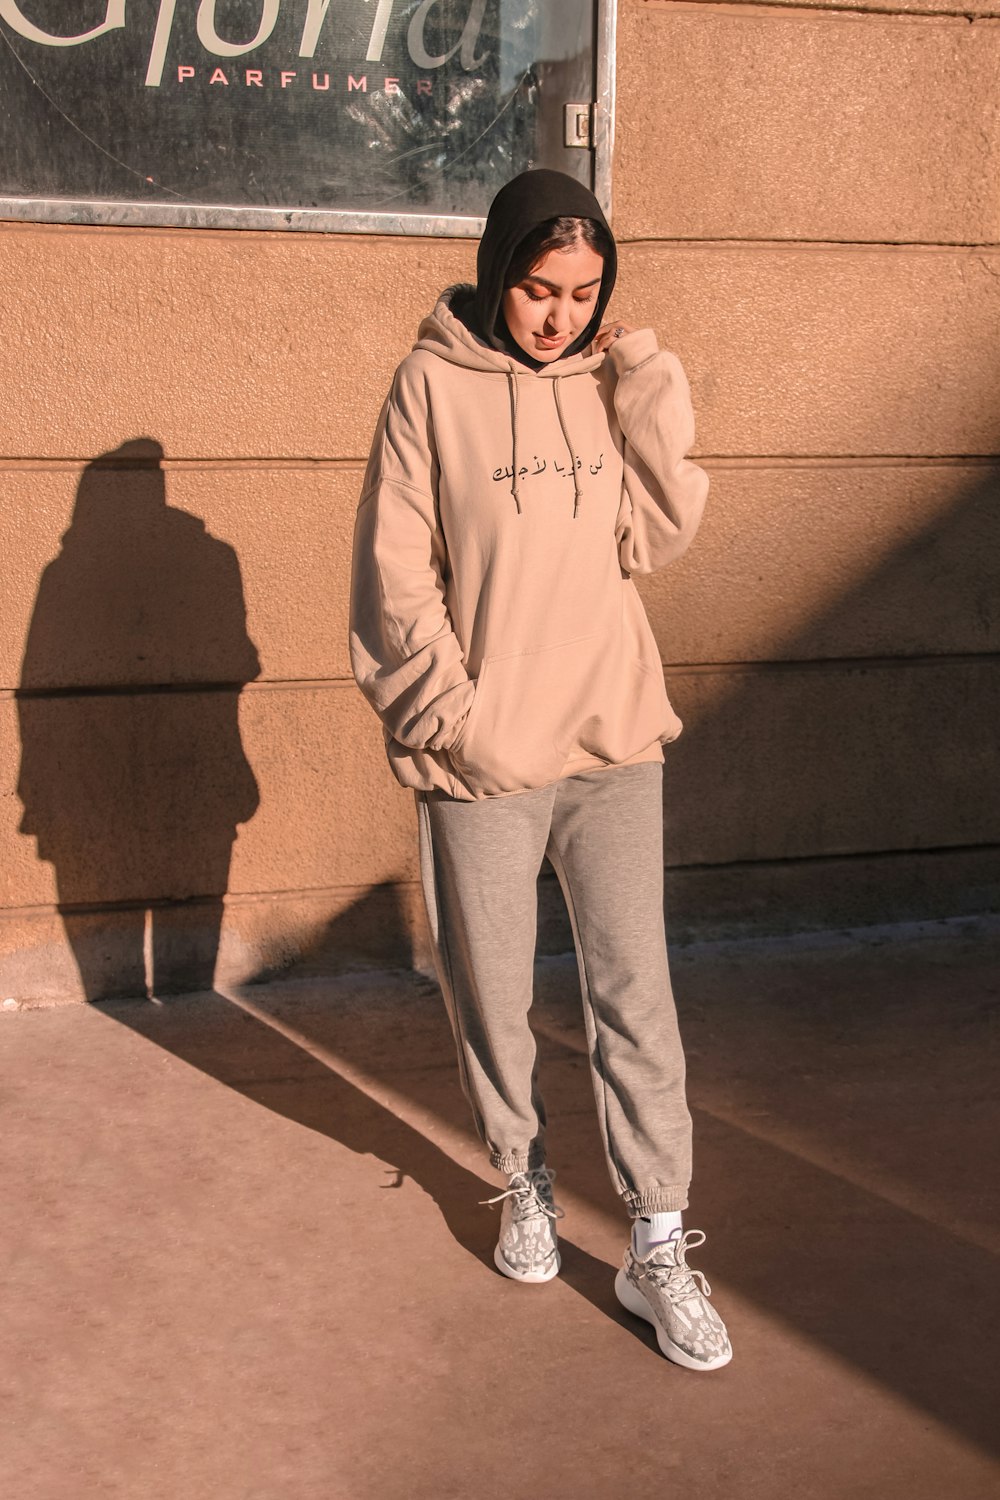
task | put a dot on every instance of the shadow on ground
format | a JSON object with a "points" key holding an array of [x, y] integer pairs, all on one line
{"points": [[250, 1054], [898, 1296]]}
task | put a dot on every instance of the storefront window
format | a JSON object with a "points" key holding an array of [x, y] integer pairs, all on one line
{"points": [[387, 115]]}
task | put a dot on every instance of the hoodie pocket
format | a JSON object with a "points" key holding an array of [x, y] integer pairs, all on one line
{"points": [[524, 717]]}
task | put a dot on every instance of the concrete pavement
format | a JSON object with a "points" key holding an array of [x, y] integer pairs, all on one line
{"points": [[244, 1257]]}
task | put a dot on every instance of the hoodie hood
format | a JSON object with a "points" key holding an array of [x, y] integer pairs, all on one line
{"points": [[445, 333], [528, 200]]}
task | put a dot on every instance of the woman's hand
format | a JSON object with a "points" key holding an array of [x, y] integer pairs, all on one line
{"points": [[607, 333]]}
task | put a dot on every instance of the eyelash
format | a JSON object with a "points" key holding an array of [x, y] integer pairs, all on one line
{"points": [[532, 298]]}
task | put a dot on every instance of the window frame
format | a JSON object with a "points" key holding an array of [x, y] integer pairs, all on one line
{"points": [[122, 213]]}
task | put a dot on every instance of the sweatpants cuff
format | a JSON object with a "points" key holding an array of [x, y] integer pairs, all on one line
{"points": [[519, 1161], [656, 1200]]}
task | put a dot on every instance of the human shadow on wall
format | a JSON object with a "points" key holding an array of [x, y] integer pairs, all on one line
{"points": [[133, 774]]}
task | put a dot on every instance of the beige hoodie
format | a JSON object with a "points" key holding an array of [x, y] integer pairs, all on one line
{"points": [[495, 627]]}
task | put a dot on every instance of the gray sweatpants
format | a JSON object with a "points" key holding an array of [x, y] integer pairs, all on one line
{"points": [[479, 861]]}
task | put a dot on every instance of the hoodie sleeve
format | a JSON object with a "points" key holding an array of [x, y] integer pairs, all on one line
{"points": [[405, 655], [663, 493]]}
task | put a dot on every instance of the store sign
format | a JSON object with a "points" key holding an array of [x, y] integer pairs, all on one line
{"points": [[384, 106], [207, 29]]}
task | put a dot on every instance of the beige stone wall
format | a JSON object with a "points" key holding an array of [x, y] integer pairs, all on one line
{"points": [[808, 212]]}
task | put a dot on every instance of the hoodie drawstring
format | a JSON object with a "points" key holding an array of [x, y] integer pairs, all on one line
{"points": [[569, 446], [512, 381]]}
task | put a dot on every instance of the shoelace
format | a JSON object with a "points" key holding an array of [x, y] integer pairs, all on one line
{"points": [[676, 1277], [526, 1189]]}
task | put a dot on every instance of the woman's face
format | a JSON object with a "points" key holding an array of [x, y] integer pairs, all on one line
{"points": [[554, 303]]}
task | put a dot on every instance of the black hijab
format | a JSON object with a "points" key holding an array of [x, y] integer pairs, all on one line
{"points": [[520, 206]]}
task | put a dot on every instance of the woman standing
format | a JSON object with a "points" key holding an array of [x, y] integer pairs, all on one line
{"points": [[528, 460]]}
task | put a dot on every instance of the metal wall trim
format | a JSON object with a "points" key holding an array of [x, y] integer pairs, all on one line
{"points": [[604, 98], [225, 216]]}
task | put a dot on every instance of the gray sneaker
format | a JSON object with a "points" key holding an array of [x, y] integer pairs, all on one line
{"points": [[526, 1249], [661, 1287]]}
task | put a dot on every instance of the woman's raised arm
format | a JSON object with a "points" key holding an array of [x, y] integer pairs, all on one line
{"points": [[663, 493]]}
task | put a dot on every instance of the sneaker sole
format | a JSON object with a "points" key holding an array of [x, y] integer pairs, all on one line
{"points": [[634, 1302], [529, 1276]]}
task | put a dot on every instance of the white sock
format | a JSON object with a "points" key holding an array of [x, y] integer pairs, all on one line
{"points": [[654, 1229]]}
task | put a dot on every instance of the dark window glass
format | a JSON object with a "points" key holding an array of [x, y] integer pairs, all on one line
{"points": [[384, 106]]}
